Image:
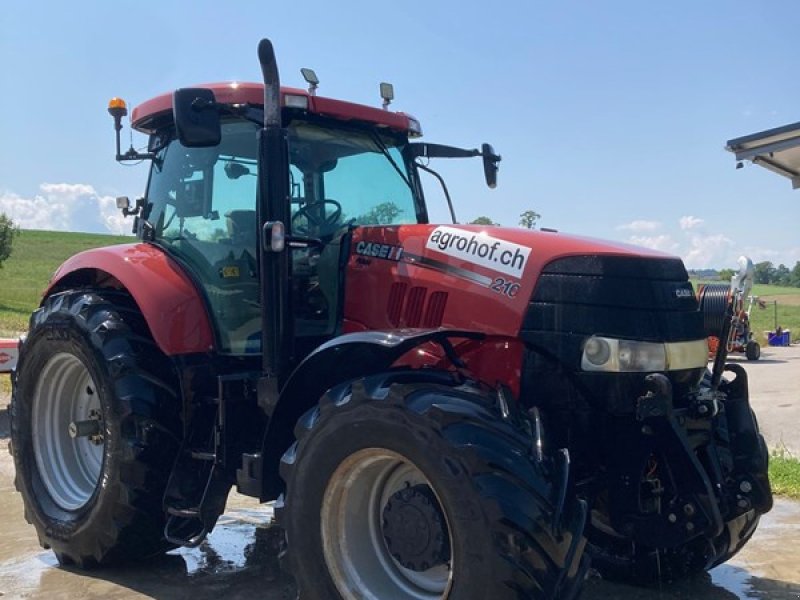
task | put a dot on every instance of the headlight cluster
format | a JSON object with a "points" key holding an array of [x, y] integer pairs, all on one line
{"points": [[629, 356]]}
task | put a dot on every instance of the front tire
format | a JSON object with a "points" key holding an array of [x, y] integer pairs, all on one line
{"points": [[752, 350], [416, 490], [93, 425]]}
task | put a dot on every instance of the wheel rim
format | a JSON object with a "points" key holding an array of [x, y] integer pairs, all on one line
{"points": [[353, 542], [69, 467]]}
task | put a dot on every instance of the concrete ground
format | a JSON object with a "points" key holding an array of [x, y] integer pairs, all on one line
{"points": [[774, 382], [239, 560]]}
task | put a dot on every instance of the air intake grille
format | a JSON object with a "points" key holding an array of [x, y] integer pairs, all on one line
{"points": [[408, 307]]}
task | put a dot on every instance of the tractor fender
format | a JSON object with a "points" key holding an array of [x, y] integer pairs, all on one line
{"points": [[341, 359], [167, 297]]}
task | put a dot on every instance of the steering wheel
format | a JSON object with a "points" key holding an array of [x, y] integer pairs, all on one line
{"points": [[314, 217]]}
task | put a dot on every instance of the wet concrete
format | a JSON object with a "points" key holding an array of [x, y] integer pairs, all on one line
{"points": [[240, 560]]}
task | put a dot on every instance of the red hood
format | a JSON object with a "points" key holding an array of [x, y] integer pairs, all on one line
{"points": [[461, 276]]}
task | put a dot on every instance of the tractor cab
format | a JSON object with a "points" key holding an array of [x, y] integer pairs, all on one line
{"points": [[349, 165], [200, 206]]}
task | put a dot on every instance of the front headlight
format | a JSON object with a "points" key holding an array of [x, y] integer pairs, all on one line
{"points": [[629, 356]]}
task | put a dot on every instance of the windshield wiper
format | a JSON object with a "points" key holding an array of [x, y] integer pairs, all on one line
{"points": [[385, 151]]}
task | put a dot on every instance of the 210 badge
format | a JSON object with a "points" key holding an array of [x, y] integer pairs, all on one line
{"points": [[506, 287]]}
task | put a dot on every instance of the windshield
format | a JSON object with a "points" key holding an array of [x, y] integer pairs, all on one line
{"points": [[202, 205]]}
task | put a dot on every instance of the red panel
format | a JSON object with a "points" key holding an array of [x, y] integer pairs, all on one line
{"points": [[145, 115], [483, 293], [493, 361], [167, 298]]}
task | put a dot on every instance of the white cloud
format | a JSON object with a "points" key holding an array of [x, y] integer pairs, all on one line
{"points": [[640, 225], [690, 222], [664, 242], [65, 207], [709, 251]]}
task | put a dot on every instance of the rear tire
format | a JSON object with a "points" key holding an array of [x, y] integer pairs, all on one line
{"points": [[89, 363], [442, 457]]}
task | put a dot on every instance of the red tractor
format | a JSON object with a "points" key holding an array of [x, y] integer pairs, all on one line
{"points": [[438, 411]]}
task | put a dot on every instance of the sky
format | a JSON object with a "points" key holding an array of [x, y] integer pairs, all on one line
{"points": [[611, 117]]}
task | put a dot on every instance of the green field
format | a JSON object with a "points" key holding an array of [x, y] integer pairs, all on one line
{"points": [[25, 274]]}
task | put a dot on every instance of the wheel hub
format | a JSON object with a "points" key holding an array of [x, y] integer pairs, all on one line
{"points": [[414, 529]]}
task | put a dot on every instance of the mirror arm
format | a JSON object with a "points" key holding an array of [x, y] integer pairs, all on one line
{"points": [[420, 149]]}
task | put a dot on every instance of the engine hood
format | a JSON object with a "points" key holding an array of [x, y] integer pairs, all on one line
{"points": [[465, 276]]}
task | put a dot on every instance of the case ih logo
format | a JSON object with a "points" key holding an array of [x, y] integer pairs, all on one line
{"points": [[480, 249], [376, 250]]}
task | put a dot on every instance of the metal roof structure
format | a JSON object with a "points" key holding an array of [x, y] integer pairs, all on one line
{"points": [[775, 149]]}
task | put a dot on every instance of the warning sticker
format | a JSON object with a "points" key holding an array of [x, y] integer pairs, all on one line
{"points": [[480, 249]]}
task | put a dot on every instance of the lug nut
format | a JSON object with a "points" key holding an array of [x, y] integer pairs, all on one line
{"points": [[746, 487], [672, 518], [690, 526], [688, 510]]}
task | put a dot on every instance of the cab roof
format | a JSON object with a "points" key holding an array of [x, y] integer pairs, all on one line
{"points": [[155, 113]]}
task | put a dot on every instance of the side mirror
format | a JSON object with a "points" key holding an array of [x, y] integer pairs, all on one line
{"points": [[490, 160], [196, 117]]}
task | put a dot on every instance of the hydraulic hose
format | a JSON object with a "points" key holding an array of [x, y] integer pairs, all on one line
{"points": [[714, 299], [717, 304]]}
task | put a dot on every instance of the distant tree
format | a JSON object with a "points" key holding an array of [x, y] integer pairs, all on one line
{"points": [[765, 272], [794, 278], [483, 221], [383, 214], [782, 275], [8, 231], [725, 274], [528, 219]]}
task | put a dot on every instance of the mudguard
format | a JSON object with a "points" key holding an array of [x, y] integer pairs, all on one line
{"points": [[169, 301], [341, 359]]}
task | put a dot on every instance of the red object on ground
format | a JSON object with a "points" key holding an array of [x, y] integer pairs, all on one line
{"points": [[8, 354]]}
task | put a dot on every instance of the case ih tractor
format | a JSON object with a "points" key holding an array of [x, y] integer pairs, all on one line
{"points": [[438, 411]]}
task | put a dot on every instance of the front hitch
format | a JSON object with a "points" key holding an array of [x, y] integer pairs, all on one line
{"points": [[750, 455], [659, 430]]}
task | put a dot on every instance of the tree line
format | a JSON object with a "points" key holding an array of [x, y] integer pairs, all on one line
{"points": [[527, 220], [766, 272]]}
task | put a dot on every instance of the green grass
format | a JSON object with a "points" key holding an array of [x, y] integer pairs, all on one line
{"points": [[784, 474], [35, 256], [761, 289], [764, 320]]}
